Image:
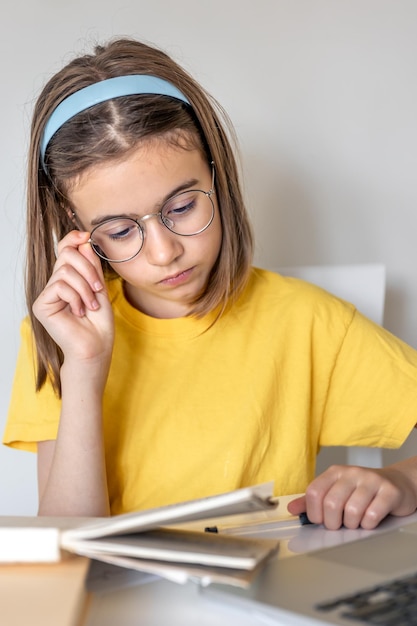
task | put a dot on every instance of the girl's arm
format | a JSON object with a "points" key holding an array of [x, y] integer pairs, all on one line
{"points": [[358, 496], [71, 470], [75, 310]]}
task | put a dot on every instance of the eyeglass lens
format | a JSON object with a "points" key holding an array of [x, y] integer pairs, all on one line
{"points": [[121, 239]]}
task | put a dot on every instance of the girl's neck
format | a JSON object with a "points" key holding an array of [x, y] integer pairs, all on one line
{"points": [[157, 307]]}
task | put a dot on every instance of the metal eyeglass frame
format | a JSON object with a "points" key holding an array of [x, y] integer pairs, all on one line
{"points": [[159, 215]]}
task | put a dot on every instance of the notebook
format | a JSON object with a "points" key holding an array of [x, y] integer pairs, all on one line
{"points": [[360, 582]]}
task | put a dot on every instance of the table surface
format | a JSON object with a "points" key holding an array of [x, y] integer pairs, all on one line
{"points": [[132, 599]]}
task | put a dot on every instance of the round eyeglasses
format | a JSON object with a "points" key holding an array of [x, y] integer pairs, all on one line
{"points": [[119, 239]]}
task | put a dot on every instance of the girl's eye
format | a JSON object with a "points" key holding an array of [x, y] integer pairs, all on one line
{"points": [[116, 230], [181, 206], [120, 234]]}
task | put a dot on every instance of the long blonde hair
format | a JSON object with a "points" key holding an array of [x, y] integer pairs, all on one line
{"points": [[110, 130]]}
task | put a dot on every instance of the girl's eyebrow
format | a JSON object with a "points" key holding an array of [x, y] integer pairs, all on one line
{"points": [[187, 185]]}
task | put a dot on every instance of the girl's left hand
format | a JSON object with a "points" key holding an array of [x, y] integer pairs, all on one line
{"points": [[359, 497]]}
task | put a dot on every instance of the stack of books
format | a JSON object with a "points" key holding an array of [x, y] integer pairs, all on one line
{"points": [[151, 541]]}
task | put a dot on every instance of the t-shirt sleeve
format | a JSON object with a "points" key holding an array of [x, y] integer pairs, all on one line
{"points": [[372, 395], [32, 416]]}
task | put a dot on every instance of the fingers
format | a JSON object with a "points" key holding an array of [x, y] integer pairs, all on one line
{"points": [[67, 289], [76, 280], [297, 506], [350, 496], [75, 250], [326, 498], [356, 497]]}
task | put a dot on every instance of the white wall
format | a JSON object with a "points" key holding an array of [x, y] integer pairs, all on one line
{"points": [[323, 94]]}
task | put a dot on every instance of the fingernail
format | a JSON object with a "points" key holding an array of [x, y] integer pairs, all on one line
{"points": [[97, 286]]}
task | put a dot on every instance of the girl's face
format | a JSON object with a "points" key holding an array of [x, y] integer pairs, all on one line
{"points": [[171, 270]]}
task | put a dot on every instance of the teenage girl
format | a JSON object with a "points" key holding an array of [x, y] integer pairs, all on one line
{"points": [[156, 364]]}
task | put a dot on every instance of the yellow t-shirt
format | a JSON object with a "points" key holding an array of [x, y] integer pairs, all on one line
{"points": [[193, 408]]}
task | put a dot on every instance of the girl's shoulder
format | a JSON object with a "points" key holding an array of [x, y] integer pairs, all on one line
{"points": [[268, 281], [292, 294]]}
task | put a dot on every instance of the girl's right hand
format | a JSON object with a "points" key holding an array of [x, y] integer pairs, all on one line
{"points": [[75, 310], [74, 307]]}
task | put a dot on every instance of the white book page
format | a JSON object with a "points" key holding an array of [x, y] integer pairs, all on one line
{"points": [[128, 571], [181, 546], [246, 500]]}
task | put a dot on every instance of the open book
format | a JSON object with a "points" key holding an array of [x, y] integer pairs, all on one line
{"points": [[150, 540]]}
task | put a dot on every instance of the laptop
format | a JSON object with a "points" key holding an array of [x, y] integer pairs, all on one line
{"points": [[354, 583]]}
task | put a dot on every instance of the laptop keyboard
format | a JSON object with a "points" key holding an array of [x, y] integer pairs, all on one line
{"points": [[388, 604]]}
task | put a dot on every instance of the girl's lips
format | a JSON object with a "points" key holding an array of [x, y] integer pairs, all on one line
{"points": [[177, 279]]}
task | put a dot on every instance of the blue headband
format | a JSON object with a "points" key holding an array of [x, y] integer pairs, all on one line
{"points": [[87, 97]]}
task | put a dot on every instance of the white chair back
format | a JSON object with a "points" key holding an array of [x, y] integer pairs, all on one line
{"points": [[364, 286]]}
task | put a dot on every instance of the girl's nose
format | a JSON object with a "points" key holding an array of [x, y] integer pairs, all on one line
{"points": [[161, 246]]}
